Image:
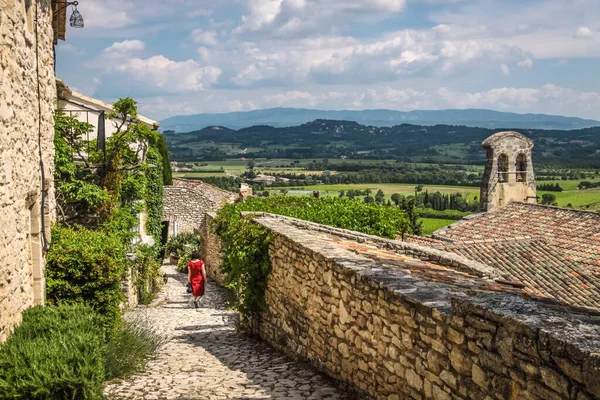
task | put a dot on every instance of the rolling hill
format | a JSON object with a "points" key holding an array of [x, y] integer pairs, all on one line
{"points": [[284, 117]]}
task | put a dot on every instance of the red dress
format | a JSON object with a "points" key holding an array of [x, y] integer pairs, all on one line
{"points": [[196, 277]]}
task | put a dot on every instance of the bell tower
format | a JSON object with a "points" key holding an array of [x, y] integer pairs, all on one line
{"points": [[508, 174]]}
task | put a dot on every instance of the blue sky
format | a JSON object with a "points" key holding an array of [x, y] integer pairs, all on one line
{"points": [[193, 56]]}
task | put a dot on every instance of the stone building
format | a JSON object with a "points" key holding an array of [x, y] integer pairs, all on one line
{"points": [[508, 172], [186, 203], [27, 98], [551, 252]]}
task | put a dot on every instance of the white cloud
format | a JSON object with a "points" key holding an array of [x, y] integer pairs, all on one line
{"points": [[338, 59], [170, 76], [584, 32], [207, 38], [298, 18], [200, 12], [126, 46], [504, 68]]}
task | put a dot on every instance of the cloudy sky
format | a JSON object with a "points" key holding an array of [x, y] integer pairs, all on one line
{"points": [[194, 56]]}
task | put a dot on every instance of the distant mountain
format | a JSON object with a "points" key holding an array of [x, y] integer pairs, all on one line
{"points": [[284, 117]]}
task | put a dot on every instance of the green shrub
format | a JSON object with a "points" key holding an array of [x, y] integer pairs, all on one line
{"points": [[182, 246], [131, 344], [177, 244], [55, 353], [147, 273], [85, 265], [246, 263]]}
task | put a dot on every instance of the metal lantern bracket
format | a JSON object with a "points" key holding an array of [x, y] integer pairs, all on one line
{"points": [[76, 20]]}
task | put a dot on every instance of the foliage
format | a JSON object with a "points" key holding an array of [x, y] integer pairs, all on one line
{"points": [[548, 198], [147, 273], [55, 353], [64, 352], [416, 226], [159, 142], [153, 171], [86, 265], [548, 187], [131, 344], [181, 246], [245, 260]]}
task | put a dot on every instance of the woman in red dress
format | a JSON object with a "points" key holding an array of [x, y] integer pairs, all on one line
{"points": [[196, 276]]}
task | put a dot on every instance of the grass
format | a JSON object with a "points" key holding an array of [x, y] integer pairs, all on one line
{"points": [[431, 225]]}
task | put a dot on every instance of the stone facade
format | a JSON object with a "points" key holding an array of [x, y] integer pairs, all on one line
{"points": [[508, 174], [211, 249], [187, 202], [26, 149], [394, 336]]}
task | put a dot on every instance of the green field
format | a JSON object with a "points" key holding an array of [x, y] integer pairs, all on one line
{"points": [[431, 225], [571, 196]]}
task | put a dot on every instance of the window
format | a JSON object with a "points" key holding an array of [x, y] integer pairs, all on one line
{"points": [[502, 168], [521, 167]]}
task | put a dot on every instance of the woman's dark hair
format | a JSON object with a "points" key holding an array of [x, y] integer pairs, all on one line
{"points": [[196, 255]]}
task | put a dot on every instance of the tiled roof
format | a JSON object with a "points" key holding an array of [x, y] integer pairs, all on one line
{"points": [[213, 193], [575, 233], [553, 252]]}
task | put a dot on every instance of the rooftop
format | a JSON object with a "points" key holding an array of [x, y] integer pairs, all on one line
{"points": [[67, 94], [213, 193], [553, 252]]}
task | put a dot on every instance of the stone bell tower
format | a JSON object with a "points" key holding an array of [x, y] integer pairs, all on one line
{"points": [[508, 172]]}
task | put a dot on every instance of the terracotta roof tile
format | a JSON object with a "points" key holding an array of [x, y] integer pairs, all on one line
{"points": [[554, 252]]}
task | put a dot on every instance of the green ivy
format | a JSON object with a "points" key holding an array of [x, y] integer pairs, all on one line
{"points": [[154, 193], [147, 273], [245, 245]]}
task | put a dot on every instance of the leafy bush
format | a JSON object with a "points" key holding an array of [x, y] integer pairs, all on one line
{"points": [[246, 263], [182, 246], [85, 265], [55, 353], [131, 344], [147, 273]]}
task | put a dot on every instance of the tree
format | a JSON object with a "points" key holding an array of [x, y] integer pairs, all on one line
{"points": [[341, 193], [251, 164], [369, 199], [416, 225], [548, 198], [396, 198], [379, 197], [419, 188]]}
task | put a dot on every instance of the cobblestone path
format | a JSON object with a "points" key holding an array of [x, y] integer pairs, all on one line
{"points": [[205, 358]]}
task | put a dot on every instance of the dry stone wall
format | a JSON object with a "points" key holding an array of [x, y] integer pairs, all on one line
{"points": [[186, 207], [392, 336], [21, 261], [211, 249]]}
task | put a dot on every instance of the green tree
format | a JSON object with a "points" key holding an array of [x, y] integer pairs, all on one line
{"points": [[416, 225], [548, 198]]}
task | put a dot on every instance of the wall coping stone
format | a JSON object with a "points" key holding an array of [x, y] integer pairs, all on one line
{"points": [[563, 330]]}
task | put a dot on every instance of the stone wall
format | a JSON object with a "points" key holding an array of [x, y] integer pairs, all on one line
{"points": [[186, 207], [393, 336], [211, 249], [21, 262]]}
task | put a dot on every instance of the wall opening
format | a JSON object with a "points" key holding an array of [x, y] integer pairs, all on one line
{"points": [[502, 168], [36, 261], [521, 167]]}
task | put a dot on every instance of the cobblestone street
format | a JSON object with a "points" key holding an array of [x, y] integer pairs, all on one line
{"points": [[205, 358]]}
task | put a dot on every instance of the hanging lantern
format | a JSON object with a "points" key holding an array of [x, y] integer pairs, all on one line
{"points": [[76, 18]]}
